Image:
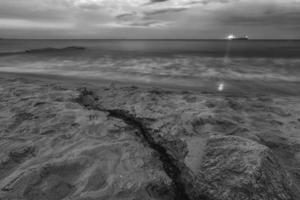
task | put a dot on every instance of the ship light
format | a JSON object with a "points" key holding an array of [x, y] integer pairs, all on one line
{"points": [[230, 37], [221, 87]]}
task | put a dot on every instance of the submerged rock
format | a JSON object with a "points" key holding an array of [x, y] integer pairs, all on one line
{"points": [[71, 49], [47, 50], [234, 168]]}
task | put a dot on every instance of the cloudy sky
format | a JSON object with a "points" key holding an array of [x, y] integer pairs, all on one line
{"points": [[151, 19]]}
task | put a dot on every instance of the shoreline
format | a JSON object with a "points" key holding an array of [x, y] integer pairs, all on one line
{"points": [[208, 86], [77, 82]]}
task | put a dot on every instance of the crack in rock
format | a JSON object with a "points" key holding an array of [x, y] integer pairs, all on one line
{"points": [[183, 188]]}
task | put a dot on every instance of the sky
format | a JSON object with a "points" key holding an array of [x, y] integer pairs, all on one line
{"points": [[149, 19]]}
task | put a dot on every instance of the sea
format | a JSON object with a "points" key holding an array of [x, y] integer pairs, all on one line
{"points": [[253, 66]]}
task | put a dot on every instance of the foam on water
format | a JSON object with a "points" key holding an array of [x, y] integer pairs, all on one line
{"points": [[158, 65]]}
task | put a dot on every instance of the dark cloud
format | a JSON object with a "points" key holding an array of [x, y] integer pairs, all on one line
{"points": [[205, 2], [164, 11], [157, 1], [146, 18], [146, 23], [125, 16], [139, 20]]}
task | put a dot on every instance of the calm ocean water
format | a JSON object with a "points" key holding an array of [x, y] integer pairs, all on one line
{"points": [[242, 65]]}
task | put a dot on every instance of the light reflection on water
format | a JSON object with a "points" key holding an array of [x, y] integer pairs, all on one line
{"points": [[183, 66], [178, 70]]}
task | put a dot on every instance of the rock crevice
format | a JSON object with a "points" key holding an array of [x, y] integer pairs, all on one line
{"points": [[232, 168], [174, 168]]}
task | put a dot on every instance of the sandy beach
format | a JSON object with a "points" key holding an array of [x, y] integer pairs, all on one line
{"points": [[74, 139]]}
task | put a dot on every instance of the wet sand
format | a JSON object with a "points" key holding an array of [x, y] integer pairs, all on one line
{"points": [[59, 141]]}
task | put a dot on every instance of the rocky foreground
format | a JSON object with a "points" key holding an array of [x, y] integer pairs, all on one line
{"points": [[114, 142]]}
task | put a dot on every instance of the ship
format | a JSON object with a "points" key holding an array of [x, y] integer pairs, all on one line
{"points": [[233, 37]]}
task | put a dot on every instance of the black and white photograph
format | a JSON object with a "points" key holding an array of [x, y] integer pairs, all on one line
{"points": [[149, 99]]}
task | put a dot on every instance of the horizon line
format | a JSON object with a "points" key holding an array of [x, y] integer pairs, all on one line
{"points": [[182, 39]]}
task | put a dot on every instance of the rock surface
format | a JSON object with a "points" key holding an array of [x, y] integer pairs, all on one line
{"points": [[53, 148], [202, 146], [235, 168]]}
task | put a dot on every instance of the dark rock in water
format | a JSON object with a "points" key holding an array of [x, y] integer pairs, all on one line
{"points": [[86, 97], [235, 168], [46, 50]]}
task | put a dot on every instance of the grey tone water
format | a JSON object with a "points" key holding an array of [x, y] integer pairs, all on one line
{"points": [[239, 66]]}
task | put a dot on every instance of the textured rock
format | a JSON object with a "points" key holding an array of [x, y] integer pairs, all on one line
{"points": [[59, 150], [235, 168], [51, 147]]}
